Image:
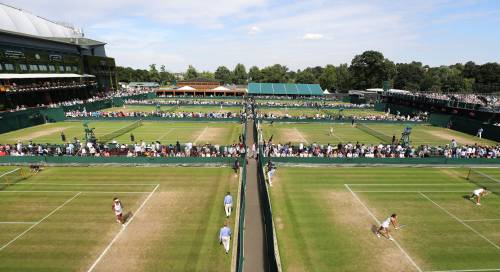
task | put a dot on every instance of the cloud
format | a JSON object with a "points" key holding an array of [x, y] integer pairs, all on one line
{"points": [[264, 32], [254, 30], [312, 36]]}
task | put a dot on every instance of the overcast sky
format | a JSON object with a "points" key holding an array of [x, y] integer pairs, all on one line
{"points": [[297, 34]]}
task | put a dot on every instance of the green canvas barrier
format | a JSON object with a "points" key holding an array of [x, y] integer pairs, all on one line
{"points": [[440, 120], [380, 106], [308, 107], [114, 160], [295, 120], [52, 115], [466, 125], [388, 161], [154, 118], [20, 119]]}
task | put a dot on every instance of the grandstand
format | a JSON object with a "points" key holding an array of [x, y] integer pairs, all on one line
{"points": [[284, 89], [201, 87], [45, 62]]}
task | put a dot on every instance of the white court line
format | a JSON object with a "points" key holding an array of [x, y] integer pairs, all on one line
{"points": [[467, 270], [22, 223], [79, 184], [419, 191], [201, 134], [122, 230], [40, 221], [462, 222], [301, 135], [166, 133], [6, 173], [481, 220], [407, 184], [83, 192], [378, 222]]}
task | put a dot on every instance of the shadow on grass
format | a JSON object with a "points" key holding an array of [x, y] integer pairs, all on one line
{"points": [[126, 217]]}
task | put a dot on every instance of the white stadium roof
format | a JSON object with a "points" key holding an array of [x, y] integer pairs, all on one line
{"points": [[20, 21]]}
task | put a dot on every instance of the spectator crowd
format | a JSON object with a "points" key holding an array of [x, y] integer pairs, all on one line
{"points": [[137, 149], [360, 150]]}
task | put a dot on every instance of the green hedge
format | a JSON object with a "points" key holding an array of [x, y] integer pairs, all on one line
{"points": [[295, 120]]}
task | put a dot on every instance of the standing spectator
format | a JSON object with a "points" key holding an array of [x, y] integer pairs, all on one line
{"points": [[228, 204], [480, 133], [270, 175], [225, 237]]}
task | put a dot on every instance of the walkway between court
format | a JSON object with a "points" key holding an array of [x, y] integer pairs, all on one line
{"points": [[255, 250]]}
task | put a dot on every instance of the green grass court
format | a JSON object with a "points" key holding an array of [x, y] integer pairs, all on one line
{"points": [[324, 218], [223, 133], [343, 132], [61, 219], [311, 112], [174, 108]]}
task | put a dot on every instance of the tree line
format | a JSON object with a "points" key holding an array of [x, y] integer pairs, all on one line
{"points": [[367, 70]]}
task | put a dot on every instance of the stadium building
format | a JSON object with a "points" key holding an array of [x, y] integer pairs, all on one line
{"points": [[44, 62], [283, 89]]}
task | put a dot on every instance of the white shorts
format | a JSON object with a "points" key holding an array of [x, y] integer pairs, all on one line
{"points": [[385, 225]]}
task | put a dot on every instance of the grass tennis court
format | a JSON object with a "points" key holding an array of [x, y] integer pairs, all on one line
{"points": [[166, 132], [61, 219], [324, 219], [343, 132], [311, 112], [174, 108]]}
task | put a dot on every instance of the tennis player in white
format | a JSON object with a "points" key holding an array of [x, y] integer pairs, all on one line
{"points": [[478, 193], [384, 227], [118, 209]]}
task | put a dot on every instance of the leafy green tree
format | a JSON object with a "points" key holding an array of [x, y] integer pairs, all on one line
{"points": [[328, 79], [371, 69], [207, 75], [305, 77], [223, 74], [254, 74], [239, 75], [275, 74], [409, 76], [191, 73], [154, 75], [344, 78]]}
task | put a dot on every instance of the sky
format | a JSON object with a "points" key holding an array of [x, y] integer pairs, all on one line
{"points": [[297, 34]]}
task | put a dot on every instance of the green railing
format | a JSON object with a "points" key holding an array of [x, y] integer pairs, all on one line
{"points": [[269, 230], [241, 223]]}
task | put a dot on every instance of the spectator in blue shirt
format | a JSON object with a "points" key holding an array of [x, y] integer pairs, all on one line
{"points": [[225, 237], [228, 204]]}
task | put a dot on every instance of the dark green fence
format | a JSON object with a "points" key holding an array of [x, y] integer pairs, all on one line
{"points": [[20, 119], [114, 160], [241, 222], [154, 118], [388, 161], [296, 120], [269, 231], [466, 125]]}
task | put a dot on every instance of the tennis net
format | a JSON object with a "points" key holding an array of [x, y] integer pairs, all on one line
{"points": [[117, 133], [11, 177], [377, 134], [484, 180]]}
